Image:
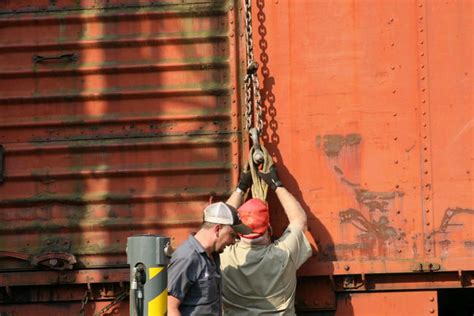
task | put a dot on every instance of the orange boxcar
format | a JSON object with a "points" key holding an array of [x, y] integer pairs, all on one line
{"points": [[125, 117]]}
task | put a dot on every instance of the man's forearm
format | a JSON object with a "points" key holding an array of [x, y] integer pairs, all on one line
{"points": [[173, 306], [293, 209], [236, 199]]}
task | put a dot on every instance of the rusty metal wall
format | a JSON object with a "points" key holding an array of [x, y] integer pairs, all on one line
{"points": [[116, 119], [368, 107]]}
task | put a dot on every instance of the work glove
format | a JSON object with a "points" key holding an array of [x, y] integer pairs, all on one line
{"points": [[245, 180], [271, 178]]}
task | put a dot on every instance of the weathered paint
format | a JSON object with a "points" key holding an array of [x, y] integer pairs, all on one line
{"points": [[132, 136], [368, 106], [388, 304]]}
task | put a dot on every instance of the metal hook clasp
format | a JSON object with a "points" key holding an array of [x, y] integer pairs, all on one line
{"points": [[258, 156]]}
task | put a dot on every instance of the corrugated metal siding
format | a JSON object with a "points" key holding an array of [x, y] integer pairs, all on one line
{"points": [[131, 137]]}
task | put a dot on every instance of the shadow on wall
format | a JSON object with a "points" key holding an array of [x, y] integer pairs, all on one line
{"points": [[271, 138]]}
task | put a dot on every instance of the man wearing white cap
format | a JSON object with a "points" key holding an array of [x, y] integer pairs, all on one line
{"points": [[194, 276]]}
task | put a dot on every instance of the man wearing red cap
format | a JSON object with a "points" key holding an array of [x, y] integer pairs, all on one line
{"points": [[259, 276]]}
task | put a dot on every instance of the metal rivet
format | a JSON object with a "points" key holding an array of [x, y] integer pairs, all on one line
{"points": [[432, 299], [421, 42], [397, 186], [394, 114], [420, 18], [426, 172], [432, 311], [395, 138], [423, 101], [422, 78], [427, 198], [427, 210], [421, 30], [395, 162], [347, 268], [393, 67], [399, 250]]}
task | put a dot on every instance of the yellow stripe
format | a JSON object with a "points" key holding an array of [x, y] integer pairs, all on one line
{"points": [[152, 272], [158, 306]]}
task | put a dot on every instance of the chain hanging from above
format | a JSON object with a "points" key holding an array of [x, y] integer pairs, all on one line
{"points": [[252, 85], [259, 158]]}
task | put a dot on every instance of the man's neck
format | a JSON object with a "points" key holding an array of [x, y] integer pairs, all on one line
{"points": [[204, 238]]}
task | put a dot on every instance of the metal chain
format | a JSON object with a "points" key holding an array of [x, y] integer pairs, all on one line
{"points": [[252, 86], [84, 302], [117, 300]]}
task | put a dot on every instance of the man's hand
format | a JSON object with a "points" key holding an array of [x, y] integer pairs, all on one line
{"points": [[245, 180], [271, 178]]}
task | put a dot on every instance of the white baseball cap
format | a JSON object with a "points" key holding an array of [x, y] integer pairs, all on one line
{"points": [[222, 213]]}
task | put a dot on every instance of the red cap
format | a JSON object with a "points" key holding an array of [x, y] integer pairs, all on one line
{"points": [[255, 214]]}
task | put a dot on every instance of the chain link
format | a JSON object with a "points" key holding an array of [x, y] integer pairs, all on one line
{"points": [[84, 302], [252, 86], [117, 300]]}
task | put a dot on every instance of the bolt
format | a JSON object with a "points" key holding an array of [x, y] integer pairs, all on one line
{"points": [[432, 299], [429, 249], [347, 268], [399, 251], [394, 114], [432, 311], [394, 91], [427, 210], [395, 138]]}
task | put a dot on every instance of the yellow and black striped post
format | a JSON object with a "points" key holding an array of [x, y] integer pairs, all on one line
{"points": [[148, 257]]}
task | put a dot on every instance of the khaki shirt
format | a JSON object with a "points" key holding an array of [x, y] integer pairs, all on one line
{"points": [[261, 279]]}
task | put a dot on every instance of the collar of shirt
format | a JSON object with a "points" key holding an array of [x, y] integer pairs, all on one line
{"points": [[200, 249], [196, 244]]}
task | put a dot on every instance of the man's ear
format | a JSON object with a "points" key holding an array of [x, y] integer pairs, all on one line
{"points": [[217, 229]]}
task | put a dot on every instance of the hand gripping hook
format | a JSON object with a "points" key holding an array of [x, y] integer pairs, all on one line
{"points": [[258, 156]]}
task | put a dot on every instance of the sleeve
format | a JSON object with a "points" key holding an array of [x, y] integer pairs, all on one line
{"points": [[295, 242], [181, 276]]}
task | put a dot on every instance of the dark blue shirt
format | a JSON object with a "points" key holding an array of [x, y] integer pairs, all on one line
{"points": [[195, 279]]}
